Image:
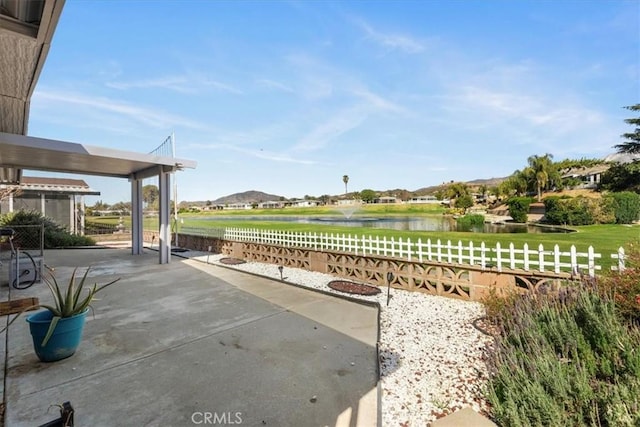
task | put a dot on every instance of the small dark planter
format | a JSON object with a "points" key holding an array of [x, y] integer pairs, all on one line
{"points": [[353, 288], [231, 261]]}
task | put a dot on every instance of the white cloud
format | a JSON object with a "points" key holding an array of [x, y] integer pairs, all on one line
{"points": [[221, 86], [146, 116], [545, 121], [178, 84], [258, 153], [399, 42], [377, 102], [316, 88], [272, 84], [109, 69], [503, 103], [549, 114], [337, 125], [188, 84]]}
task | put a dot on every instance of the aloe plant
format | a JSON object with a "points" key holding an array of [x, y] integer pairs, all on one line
{"points": [[70, 302], [66, 302]]}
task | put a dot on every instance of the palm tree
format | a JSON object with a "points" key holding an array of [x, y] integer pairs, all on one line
{"points": [[542, 171], [345, 179]]}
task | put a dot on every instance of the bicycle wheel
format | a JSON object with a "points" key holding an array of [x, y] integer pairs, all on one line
{"points": [[26, 277]]}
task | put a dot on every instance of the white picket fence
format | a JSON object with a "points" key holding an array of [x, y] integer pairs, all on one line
{"points": [[499, 257]]}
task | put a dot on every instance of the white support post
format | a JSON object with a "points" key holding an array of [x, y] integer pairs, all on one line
{"points": [[164, 216], [137, 242], [72, 215], [81, 214], [43, 204], [10, 202]]}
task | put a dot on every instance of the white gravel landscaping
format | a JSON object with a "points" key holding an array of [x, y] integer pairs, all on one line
{"points": [[431, 356]]}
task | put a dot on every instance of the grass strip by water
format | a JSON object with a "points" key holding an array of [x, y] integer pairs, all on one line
{"points": [[606, 239]]}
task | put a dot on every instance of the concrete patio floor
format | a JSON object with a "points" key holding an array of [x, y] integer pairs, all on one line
{"points": [[172, 344]]}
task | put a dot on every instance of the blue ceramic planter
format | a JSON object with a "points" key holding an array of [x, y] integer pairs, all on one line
{"points": [[65, 339]]}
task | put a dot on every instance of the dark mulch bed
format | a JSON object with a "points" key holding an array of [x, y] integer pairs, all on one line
{"points": [[232, 261], [353, 288]]}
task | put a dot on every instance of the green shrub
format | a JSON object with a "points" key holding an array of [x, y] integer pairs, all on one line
{"points": [[54, 235], [603, 211], [626, 206], [569, 211], [519, 208], [469, 222], [554, 212], [580, 212], [564, 358]]}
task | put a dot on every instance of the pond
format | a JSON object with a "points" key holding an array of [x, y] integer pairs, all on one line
{"points": [[431, 223]]}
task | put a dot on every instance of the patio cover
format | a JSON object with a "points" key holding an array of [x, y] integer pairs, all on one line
{"points": [[27, 152]]}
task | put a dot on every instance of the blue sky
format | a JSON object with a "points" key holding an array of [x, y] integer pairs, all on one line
{"points": [[286, 97]]}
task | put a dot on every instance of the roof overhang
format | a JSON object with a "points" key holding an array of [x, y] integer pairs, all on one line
{"points": [[28, 152], [26, 31]]}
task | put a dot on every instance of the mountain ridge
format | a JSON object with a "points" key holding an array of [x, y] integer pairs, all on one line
{"points": [[250, 196], [255, 196]]}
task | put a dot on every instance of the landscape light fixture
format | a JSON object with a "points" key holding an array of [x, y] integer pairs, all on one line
{"points": [[389, 279]]}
